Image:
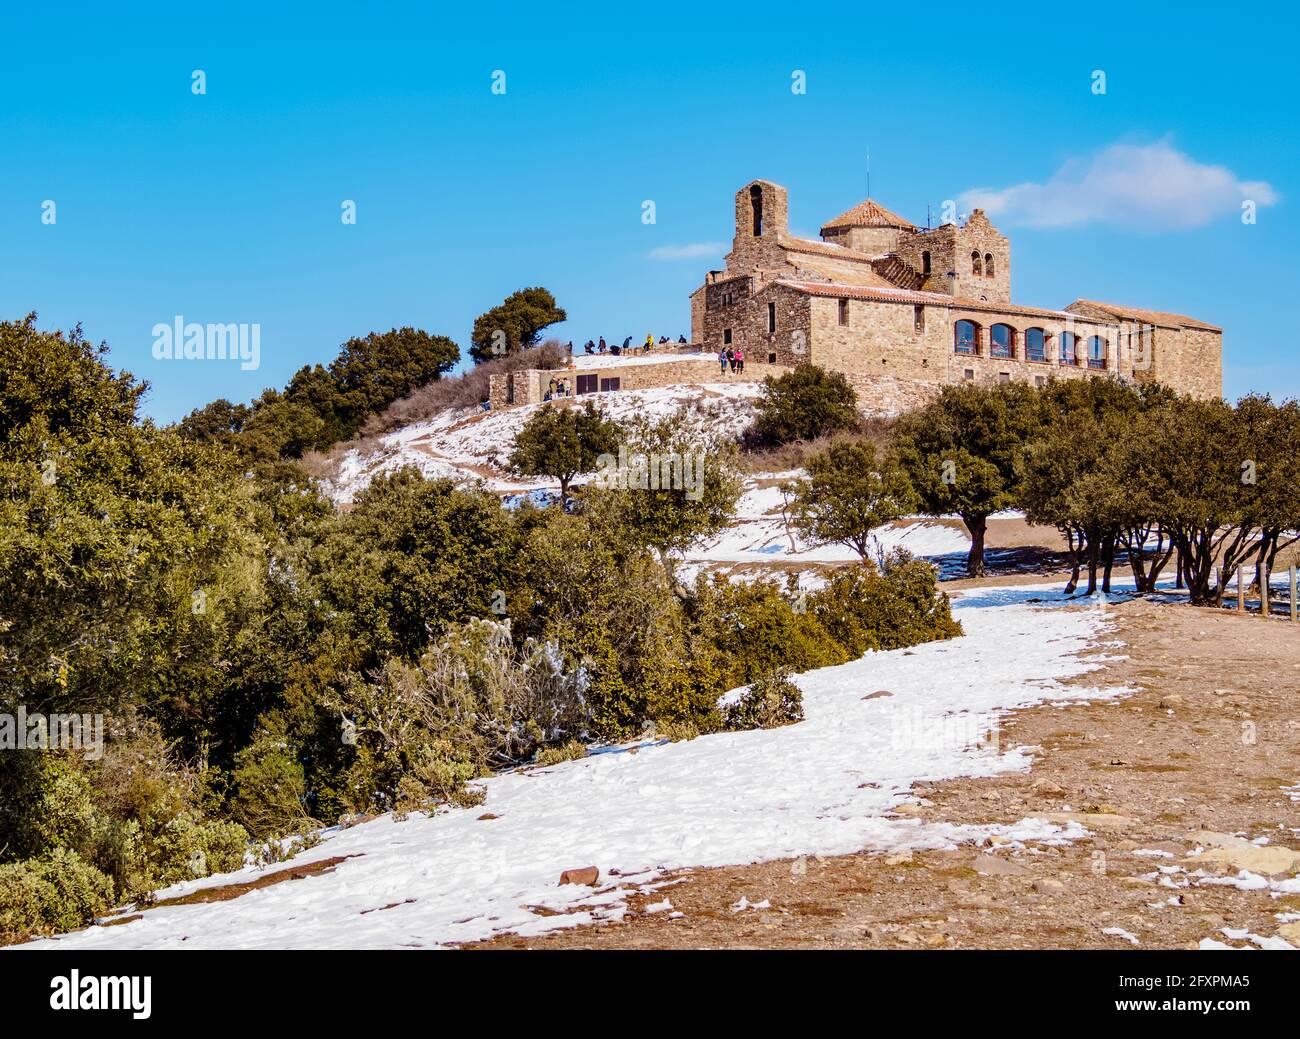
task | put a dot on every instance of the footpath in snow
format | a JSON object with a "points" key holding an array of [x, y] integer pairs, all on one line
{"points": [[823, 786]]}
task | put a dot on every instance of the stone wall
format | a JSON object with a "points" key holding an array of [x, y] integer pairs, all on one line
{"points": [[950, 248]]}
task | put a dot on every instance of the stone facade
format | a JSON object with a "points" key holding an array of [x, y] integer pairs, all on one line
{"points": [[900, 310], [891, 305]]}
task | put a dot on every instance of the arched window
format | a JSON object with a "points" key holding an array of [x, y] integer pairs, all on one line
{"points": [[975, 263], [1001, 341], [965, 337], [756, 205], [1035, 344], [988, 265], [1096, 352], [1068, 341]]}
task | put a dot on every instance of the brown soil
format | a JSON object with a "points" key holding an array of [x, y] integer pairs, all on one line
{"points": [[225, 892], [1205, 744]]}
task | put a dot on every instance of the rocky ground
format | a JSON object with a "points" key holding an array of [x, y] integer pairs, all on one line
{"points": [[1181, 784]]}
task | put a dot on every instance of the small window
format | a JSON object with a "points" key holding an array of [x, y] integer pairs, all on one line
{"points": [[726, 336], [969, 374], [844, 312], [771, 358], [1004, 376], [975, 263], [588, 383], [610, 384], [771, 317], [918, 318], [925, 262], [988, 265]]}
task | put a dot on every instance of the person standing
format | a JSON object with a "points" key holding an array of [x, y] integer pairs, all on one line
{"points": [[731, 358], [740, 359], [722, 359], [649, 341]]}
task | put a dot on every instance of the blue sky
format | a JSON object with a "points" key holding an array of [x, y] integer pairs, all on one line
{"points": [[225, 207]]}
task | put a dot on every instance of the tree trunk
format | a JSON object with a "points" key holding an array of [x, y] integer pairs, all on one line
{"points": [[976, 525], [1109, 563], [1093, 552]]}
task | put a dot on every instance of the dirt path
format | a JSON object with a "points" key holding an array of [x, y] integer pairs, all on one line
{"points": [[1203, 750]]}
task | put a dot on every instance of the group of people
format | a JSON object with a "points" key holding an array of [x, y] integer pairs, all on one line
{"points": [[731, 357], [627, 348]]}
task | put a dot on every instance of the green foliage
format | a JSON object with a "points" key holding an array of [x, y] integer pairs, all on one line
{"points": [[269, 798], [769, 702], [962, 452], [848, 494], [325, 404], [562, 442], [514, 324], [758, 629], [895, 606], [48, 895], [473, 702], [804, 404]]}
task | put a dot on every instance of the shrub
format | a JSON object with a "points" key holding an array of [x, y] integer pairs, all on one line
{"points": [[804, 404], [890, 607], [47, 895], [571, 751], [770, 701], [269, 788]]}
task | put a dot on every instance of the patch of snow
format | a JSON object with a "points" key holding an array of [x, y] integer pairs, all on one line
{"points": [[1119, 932], [825, 786]]}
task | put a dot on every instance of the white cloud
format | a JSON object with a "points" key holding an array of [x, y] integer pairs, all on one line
{"points": [[1153, 186], [687, 252]]}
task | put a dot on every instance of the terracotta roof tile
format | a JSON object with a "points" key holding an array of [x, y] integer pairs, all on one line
{"points": [[868, 214], [941, 299], [1150, 317]]}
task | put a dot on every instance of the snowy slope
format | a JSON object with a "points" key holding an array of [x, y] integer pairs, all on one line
{"points": [[472, 444], [824, 786]]}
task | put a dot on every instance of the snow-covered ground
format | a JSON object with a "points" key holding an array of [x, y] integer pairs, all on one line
{"points": [[827, 785], [474, 445]]}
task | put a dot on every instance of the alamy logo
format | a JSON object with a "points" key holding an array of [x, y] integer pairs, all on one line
{"points": [[36, 731], [73, 992], [189, 341], [651, 472]]}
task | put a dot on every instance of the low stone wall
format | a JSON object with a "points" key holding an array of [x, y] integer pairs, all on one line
{"points": [[530, 386]]}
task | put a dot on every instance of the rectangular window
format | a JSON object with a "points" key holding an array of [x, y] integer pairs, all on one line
{"points": [[771, 317], [969, 374], [726, 336], [918, 318], [771, 358], [1004, 376], [588, 383], [844, 312], [609, 384]]}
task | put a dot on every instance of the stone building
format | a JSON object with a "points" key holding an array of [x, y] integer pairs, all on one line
{"points": [[900, 310]]}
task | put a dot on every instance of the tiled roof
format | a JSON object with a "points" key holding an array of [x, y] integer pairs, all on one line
{"points": [[807, 245], [868, 214], [1150, 317], [940, 299]]}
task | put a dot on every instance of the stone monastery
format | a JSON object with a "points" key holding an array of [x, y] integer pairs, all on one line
{"points": [[899, 309]]}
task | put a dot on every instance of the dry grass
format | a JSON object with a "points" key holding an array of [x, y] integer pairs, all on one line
{"points": [[793, 455]]}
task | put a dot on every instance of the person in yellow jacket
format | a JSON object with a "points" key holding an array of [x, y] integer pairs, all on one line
{"points": [[649, 341]]}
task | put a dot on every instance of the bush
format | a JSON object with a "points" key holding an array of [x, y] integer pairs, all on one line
{"points": [[269, 789], [574, 750], [47, 895], [897, 605], [757, 628], [769, 702], [803, 404]]}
